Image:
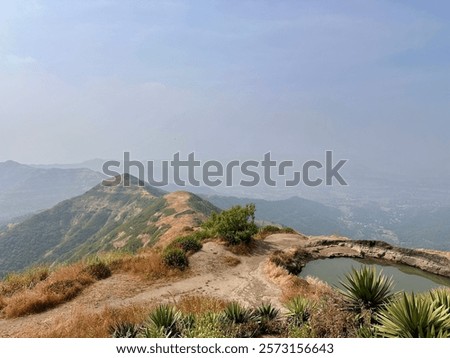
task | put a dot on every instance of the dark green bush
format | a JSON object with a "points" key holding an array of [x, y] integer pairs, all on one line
{"points": [[98, 270], [236, 225], [175, 257], [187, 244]]}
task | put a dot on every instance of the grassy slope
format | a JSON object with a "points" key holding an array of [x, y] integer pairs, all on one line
{"points": [[75, 227], [92, 223]]}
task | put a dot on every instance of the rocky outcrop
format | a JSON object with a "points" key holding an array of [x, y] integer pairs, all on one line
{"points": [[329, 247]]}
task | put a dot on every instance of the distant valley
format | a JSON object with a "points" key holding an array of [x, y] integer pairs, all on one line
{"points": [[25, 189]]}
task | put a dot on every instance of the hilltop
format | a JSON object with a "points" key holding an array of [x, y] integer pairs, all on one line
{"points": [[105, 218]]}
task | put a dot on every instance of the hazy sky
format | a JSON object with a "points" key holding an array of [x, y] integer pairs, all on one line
{"points": [[87, 79]]}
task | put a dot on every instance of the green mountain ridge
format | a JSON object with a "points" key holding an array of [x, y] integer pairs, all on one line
{"points": [[103, 219]]}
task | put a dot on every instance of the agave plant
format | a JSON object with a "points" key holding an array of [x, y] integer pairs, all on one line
{"points": [[266, 312], [124, 330], [163, 321], [235, 313], [366, 332], [299, 310], [414, 317], [365, 289], [441, 297]]}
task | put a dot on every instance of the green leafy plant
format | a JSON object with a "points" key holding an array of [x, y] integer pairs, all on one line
{"points": [[175, 257], [98, 270], [187, 243], [414, 316], [235, 313], [441, 297], [163, 322], [266, 312], [299, 310], [235, 226], [124, 330], [365, 289], [366, 332], [207, 325]]}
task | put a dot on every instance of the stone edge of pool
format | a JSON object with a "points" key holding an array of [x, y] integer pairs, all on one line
{"points": [[322, 247]]}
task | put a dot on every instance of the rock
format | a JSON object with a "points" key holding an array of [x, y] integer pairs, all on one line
{"points": [[434, 262]]}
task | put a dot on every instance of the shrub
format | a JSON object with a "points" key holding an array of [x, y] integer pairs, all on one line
{"points": [[366, 332], [299, 310], [266, 312], [174, 257], [98, 270], [441, 297], [124, 330], [187, 321], [163, 322], [367, 290], [414, 317], [187, 244], [249, 329], [235, 313], [265, 316], [235, 226], [207, 325]]}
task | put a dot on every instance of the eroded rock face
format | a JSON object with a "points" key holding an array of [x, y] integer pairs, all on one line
{"points": [[317, 248]]}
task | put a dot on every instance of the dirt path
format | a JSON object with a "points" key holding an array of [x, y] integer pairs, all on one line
{"points": [[210, 274]]}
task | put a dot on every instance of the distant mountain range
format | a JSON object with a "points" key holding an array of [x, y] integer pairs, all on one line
{"points": [[25, 189], [90, 217], [103, 219], [407, 226], [305, 216]]}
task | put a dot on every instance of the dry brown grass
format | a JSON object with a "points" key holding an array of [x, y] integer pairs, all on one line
{"points": [[148, 265], [200, 304], [61, 286], [231, 261], [16, 282], [92, 325], [271, 230], [2, 303], [290, 285], [329, 317], [39, 289]]}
